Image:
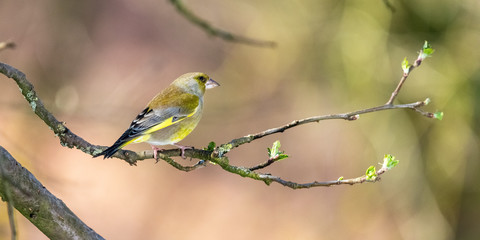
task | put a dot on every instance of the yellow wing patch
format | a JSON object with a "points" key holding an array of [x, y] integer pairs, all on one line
{"points": [[140, 139], [167, 123], [146, 135], [161, 125]]}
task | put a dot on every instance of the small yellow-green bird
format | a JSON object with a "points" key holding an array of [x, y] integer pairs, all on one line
{"points": [[169, 117]]}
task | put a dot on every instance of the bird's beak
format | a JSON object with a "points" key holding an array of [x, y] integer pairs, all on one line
{"points": [[211, 84]]}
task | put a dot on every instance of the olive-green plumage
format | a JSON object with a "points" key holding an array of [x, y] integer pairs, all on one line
{"points": [[170, 116]]}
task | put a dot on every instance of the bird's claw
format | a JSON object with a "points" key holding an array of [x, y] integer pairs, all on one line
{"points": [[155, 153], [182, 148]]}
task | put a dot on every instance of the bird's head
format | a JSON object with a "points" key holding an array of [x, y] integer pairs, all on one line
{"points": [[195, 83]]}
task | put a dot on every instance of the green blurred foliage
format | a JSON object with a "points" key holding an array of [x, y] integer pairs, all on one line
{"points": [[97, 63]]}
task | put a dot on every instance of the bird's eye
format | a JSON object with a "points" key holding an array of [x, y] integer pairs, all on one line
{"points": [[202, 78]]}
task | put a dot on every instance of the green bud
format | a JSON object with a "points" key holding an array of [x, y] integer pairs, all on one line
{"points": [[427, 50], [438, 115], [427, 101], [371, 173], [389, 161], [275, 152], [211, 146], [405, 66]]}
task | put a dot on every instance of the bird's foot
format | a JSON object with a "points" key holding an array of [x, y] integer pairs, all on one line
{"points": [[155, 152], [183, 149]]}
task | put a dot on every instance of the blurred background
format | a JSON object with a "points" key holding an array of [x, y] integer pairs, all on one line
{"points": [[96, 64]]}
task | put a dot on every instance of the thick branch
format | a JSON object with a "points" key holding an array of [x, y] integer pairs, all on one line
{"points": [[218, 32], [70, 139], [67, 137], [37, 204]]}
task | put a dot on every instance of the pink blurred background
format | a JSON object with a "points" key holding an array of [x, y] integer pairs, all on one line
{"points": [[96, 64]]}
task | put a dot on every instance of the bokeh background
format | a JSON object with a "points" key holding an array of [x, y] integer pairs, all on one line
{"points": [[96, 64]]}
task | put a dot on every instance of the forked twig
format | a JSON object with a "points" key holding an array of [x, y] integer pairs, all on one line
{"points": [[207, 27]]}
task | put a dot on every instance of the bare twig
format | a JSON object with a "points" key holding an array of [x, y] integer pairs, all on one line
{"points": [[264, 164], [11, 219], [350, 181], [179, 166], [397, 89], [407, 71], [268, 179], [345, 116], [218, 32], [389, 5]]}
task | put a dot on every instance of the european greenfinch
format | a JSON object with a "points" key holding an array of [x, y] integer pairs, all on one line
{"points": [[169, 117]]}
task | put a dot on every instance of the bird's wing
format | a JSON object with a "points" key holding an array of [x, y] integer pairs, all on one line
{"points": [[163, 115], [151, 120]]}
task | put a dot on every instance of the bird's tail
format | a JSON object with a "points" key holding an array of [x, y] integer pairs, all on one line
{"points": [[123, 141], [107, 153]]}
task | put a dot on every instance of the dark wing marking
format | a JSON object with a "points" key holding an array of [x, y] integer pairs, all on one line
{"points": [[146, 120]]}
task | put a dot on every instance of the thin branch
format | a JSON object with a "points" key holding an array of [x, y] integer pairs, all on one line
{"points": [[48, 213], [264, 164], [207, 27], [397, 89], [223, 162], [350, 181], [389, 5], [405, 75], [11, 218], [179, 166], [350, 116]]}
